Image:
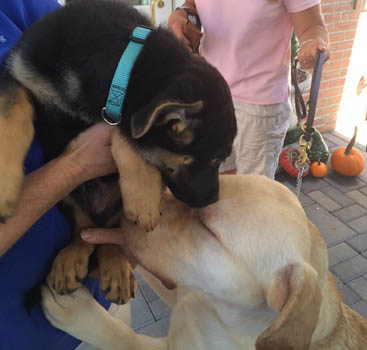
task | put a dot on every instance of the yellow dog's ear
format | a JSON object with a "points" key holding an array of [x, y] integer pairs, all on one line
{"points": [[295, 293]]}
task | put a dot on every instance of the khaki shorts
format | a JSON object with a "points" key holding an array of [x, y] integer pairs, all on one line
{"points": [[260, 137]]}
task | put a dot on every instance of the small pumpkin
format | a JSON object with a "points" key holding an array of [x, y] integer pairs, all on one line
{"points": [[287, 161], [318, 169], [348, 161]]}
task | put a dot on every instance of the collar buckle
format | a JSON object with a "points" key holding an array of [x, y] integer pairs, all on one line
{"points": [[107, 119], [139, 39]]}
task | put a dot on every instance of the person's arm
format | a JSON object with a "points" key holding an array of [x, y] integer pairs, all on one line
{"points": [[87, 157], [16, 16], [311, 32], [36, 9]]}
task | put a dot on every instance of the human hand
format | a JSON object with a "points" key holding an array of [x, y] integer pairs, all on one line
{"points": [[108, 236], [307, 52], [89, 154], [176, 22], [103, 236]]}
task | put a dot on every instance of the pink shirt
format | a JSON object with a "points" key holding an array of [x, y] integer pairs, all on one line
{"points": [[249, 42]]}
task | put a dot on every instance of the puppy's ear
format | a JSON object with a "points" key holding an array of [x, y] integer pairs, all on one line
{"points": [[295, 293], [161, 114]]}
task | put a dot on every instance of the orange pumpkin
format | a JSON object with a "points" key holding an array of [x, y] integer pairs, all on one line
{"points": [[348, 161], [318, 169]]}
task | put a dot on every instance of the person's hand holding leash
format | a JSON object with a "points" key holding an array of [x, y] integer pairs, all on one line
{"points": [[312, 34], [185, 24], [307, 51], [176, 22]]}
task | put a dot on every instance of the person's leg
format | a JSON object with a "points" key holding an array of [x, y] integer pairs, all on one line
{"points": [[261, 132]]}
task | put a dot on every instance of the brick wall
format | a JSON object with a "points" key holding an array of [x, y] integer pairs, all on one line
{"points": [[341, 20]]}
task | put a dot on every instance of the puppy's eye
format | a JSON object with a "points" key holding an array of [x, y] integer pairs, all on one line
{"points": [[178, 127]]}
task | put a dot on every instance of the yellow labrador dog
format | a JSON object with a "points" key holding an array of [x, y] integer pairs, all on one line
{"points": [[248, 272]]}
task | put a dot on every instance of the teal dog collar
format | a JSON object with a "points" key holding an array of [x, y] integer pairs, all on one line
{"points": [[112, 112]]}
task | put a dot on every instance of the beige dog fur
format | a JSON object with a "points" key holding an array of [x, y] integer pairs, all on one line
{"points": [[250, 271]]}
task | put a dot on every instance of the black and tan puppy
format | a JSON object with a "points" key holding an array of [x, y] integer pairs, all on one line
{"points": [[177, 117]]}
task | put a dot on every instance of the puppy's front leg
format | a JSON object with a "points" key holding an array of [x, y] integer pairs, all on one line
{"points": [[115, 274], [140, 183], [81, 316], [16, 134], [70, 266]]}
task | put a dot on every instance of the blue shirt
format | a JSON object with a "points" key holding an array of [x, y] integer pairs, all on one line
{"points": [[30, 258]]}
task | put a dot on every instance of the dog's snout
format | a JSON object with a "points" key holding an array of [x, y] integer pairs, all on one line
{"points": [[204, 201], [201, 191], [212, 199], [198, 201]]}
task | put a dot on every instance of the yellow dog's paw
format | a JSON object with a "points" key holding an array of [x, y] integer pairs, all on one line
{"points": [[117, 279], [66, 311], [69, 269], [10, 189]]}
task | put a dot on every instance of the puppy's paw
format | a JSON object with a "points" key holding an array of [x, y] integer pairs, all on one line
{"points": [[69, 269], [10, 188], [141, 195], [140, 182], [117, 279], [144, 213], [67, 311]]}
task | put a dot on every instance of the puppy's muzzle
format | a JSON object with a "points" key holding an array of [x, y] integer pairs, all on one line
{"points": [[198, 201], [212, 198]]}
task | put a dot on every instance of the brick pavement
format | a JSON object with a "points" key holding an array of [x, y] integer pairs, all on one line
{"points": [[338, 207]]}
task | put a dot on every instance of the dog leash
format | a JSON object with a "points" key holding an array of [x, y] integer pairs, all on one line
{"points": [[111, 113], [305, 140]]}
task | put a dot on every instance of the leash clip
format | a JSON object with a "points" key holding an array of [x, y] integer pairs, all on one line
{"points": [[302, 159], [304, 147], [303, 143]]}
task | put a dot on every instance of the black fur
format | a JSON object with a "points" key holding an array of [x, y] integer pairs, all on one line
{"points": [[86, 39]]}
